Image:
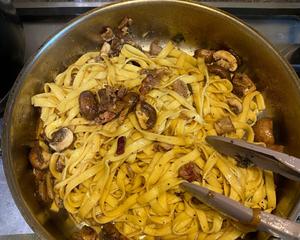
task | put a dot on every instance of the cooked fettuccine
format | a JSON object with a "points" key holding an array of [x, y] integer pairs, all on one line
{"points": [[121, 170]]}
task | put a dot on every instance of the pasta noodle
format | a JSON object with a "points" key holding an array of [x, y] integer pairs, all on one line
{"points": [[139, 189]]}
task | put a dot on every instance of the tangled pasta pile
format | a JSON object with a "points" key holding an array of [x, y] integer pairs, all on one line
{"points": [[123, 163]]}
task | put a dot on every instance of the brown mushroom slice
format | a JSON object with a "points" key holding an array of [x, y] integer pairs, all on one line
{"points": [[181, 88], [110, 232], [190, 172], [39, 158], [126, 22], [85, 233], [108, 35], [151, 80], [226, 60], [105, 117], [121, 92], [235, 105], [237, 57], [59, 166], [224, 125], [130, 100], [162, 147], [219, 71], [118, 107], [148, 83], [146, 115], [263, 131], [242, 84], [39, 174], [116, 46], [61, 139], [155, 49], [88, 105], [107, 98], [105, 49], [204, 53], [58, 201]]}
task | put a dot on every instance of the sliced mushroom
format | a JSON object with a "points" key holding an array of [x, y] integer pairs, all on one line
{"points": [[110, 232], [123, 29], [39, 158], [85, 233], [263, 131], [105, 49], [116, 46], [59, 166], [108, 35], [151, 80], [121, 92], [162, 147], [126, 22], [114, 39], [205, 53], [146, 115], [130, 100], [226, 60], [219, 71], [235, 105], [88, 105], [118, 107], [155, 49], [190, 172], [105, 117], [224, 125], [114, 102], [181, 88], [107, 98], [237, 57], [61, 139], [148, 83], [242, 84], [39, 174], [58, 201]]}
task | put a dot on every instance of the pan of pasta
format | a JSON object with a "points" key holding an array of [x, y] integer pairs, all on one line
{"points": [[111, 115]]}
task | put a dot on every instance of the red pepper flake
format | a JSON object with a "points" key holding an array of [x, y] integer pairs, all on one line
{"points": [[121, 145]]}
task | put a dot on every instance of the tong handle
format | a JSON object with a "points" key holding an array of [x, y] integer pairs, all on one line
{"points": [[279, 227]]}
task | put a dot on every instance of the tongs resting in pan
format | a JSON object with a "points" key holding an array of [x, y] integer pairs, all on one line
{"points": [[246, 154], [249, 154]]}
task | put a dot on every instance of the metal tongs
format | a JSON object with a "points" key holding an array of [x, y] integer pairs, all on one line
{"points": [[248, 154]]}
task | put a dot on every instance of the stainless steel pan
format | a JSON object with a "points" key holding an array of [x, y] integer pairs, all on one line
{"points": [[201, 26]]}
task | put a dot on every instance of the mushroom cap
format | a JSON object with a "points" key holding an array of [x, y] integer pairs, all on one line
{"points": [[226, 60], [146, 115], [61, 139]]}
